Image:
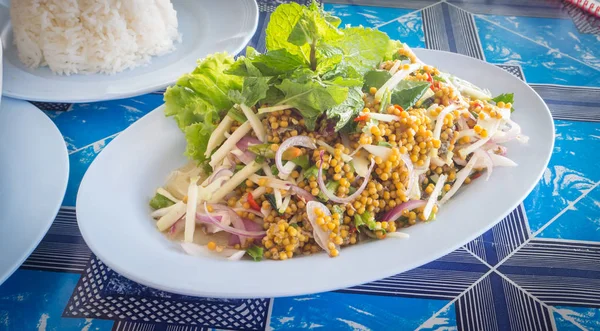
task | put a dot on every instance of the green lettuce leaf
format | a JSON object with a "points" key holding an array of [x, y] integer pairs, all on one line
{"points": [[311, 97], [198, 98], [348, 109], [408, 92], [210, 81], [159, 201], [392, 51], [376, 79], [197, 136], [186, 106]]}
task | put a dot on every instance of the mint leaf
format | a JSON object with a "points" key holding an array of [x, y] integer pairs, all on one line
{"points": [[363, 48], [505, 97], [254, 87], [311, 97], [408, 92], [159, 201], [255, 252], [348, 109], [281, 23], [376, 79], [272, 63]]}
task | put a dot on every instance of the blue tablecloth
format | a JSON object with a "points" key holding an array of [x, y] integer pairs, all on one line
{"points": [[538, 269]]}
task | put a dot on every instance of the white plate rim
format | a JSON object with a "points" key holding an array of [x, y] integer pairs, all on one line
{"points": [[72, 97], [389, 271], [61, 181]]}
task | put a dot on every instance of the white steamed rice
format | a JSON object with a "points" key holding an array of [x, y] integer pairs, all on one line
{"points": [[93, 36]]}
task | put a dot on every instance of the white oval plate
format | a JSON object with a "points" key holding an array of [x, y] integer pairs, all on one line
{"points": [[125, 175], [207, 27], [34, 169]]}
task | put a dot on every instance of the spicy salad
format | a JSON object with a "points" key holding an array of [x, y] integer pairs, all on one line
{"points": [[331, 137]]}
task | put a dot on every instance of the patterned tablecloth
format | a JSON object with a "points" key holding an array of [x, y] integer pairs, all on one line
{"points": [[538, 269]]}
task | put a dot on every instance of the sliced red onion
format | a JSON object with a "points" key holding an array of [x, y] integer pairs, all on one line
{"points": [[487, 161], [233, 240], [321, 237], [245, 157], [303, 141], [396, 212], [248, 210], [335, 198], [251, 225], [209, 219], [247, 141], [302, 194], [219, 172], [236, 220], [177, 228]]}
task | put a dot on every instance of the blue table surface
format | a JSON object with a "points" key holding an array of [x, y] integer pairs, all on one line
{"points": [[538, 269]]}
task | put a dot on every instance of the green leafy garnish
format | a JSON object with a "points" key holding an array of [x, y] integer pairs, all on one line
{"points": [[367, 219], [263, 150], [255, 252], [408, 92], [302, 161], [384, 143], [338, 210], [272, 202], [311, 97], [347, 110], [310, 172], [439, 79], [196, 100], [506, 98], [332, 187], [376, 79], [237, 115], [254, 88], [159, 201]]}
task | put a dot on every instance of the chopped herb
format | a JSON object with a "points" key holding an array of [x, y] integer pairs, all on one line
{"points": [[302, 161], [160, 201], [384, 143], [331, 187], [271, 199], [255, 252], [506, 98]]}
